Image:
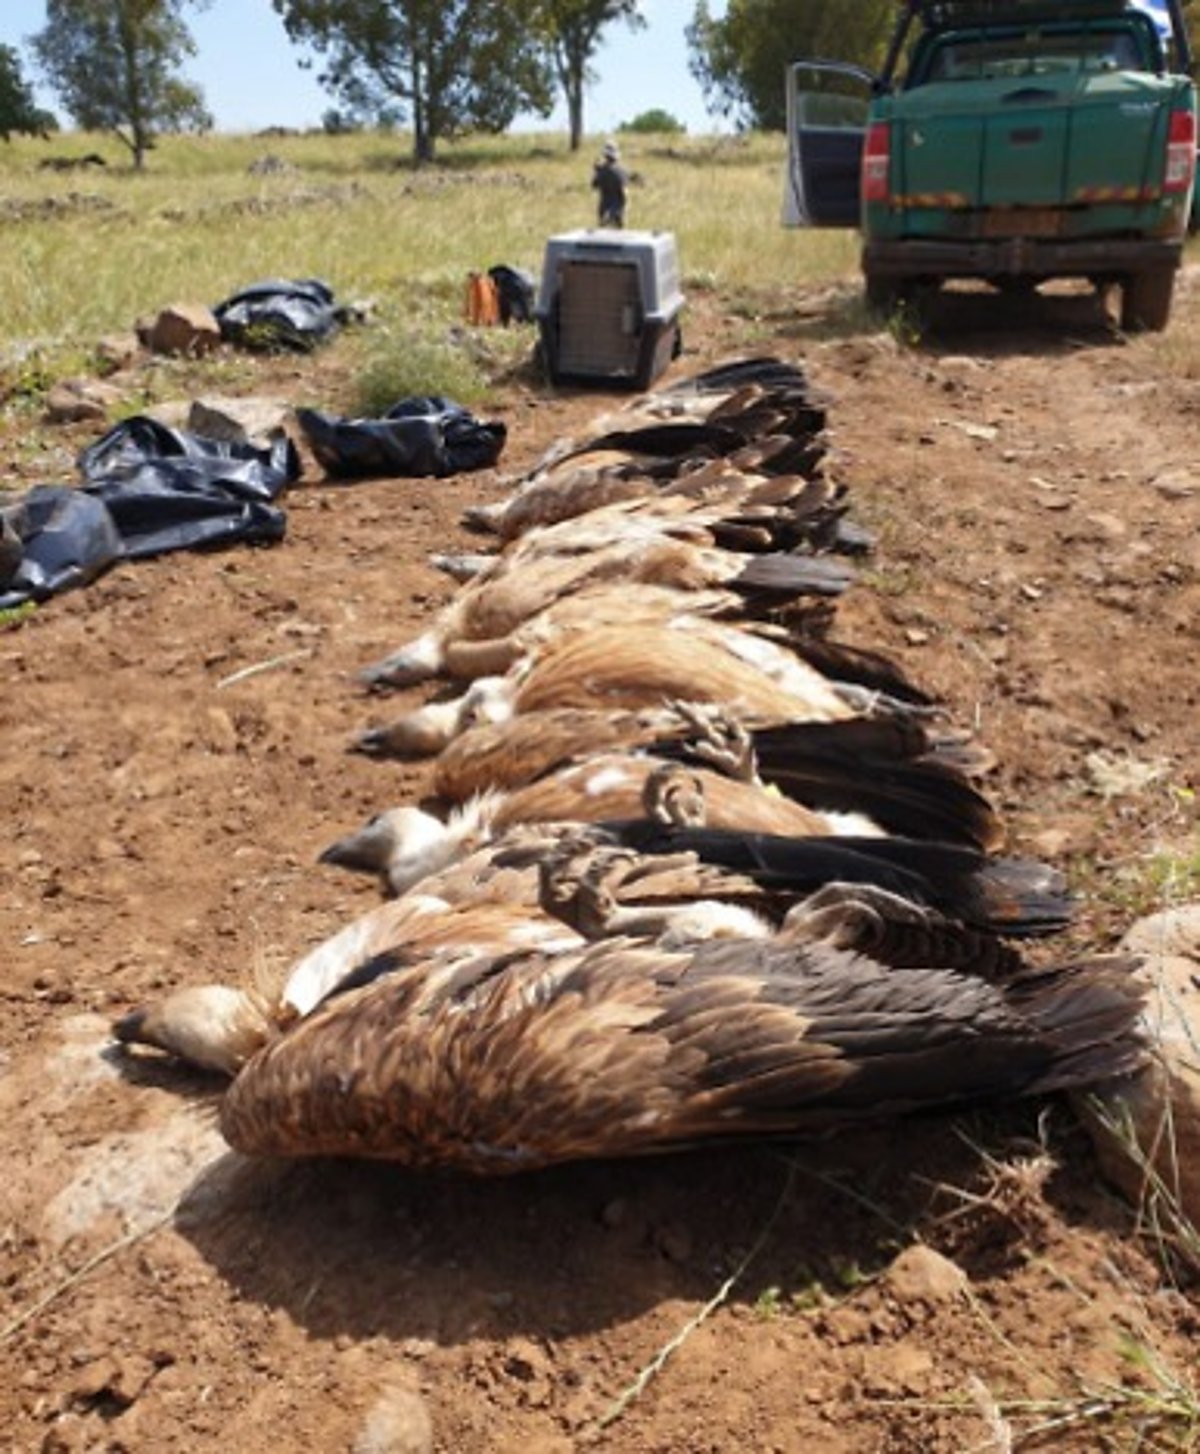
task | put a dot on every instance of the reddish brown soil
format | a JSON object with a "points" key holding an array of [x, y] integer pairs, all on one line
{"points": [[1034, 487]]}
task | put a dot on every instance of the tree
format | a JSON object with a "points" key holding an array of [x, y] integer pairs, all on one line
{"points": [[19, 113], [448, 65], [113, 64], [739, 59], [572, 32], [655, 122]]}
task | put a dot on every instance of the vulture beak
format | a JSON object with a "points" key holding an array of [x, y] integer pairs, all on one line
{"points": [[367, 849]]}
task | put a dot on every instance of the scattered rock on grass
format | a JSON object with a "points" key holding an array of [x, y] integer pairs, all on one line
{"points": [[77, 401], [183, 328], [117, 351]]}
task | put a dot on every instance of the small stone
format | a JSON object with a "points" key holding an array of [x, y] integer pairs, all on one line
{"points": [[1107, 527], [921, 1275], [121, 1379], [78, 401], [399, 1423], [983, 433], [117, 351], [418, 1348], [1176, 485]]}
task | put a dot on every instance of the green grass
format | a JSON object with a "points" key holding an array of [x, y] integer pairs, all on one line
{"points": [[87, 253]]}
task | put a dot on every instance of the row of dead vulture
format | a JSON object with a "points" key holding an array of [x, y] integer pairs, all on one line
{"points": [[697, 870]]}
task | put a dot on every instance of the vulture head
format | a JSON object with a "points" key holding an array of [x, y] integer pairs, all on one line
{"points": [[405, 845], [212, 1026]]}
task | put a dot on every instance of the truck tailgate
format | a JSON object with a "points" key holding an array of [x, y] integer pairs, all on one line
{"points": [[1037, 141]]}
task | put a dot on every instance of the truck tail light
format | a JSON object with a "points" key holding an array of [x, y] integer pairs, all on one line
{"points": [[876, 162], [1181, 152]]}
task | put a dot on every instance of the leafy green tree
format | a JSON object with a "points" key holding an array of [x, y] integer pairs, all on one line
{"points": [[655, 122], [19, 113], [114, 66], [448, 65], [572, 30], [739, 58]]}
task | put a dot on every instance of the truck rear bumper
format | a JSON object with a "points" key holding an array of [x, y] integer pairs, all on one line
{"points": [[1029, 257]]}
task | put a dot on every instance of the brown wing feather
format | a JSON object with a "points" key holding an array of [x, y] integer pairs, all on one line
{"points": [[516, 752], [611, 667], [623, 1049], [612, 786]]}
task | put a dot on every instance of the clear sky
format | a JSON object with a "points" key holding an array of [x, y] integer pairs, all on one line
{"points": [[251, 78]]}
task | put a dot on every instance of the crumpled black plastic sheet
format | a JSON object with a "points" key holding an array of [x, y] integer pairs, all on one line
{"points": [[147, 489], [67, 537], [419, 436], [142, 444], [280, 313], [168, 490]]}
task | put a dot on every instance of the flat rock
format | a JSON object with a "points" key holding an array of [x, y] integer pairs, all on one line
{"points": [[77, 401], [253, 420], [181, 328], [1147, 1127]]}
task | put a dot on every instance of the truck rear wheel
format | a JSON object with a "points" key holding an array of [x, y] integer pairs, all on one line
{"points": [[884, 294], [1146, 300]]}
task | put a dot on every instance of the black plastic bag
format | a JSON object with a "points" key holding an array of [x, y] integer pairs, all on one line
{"points": [[67, 539], [168, 490], [143, 449], [280, 313], [155, 513], [517, 292], [418, 436]]}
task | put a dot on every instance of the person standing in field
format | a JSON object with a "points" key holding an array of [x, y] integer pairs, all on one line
{"points": [[609, 179]]}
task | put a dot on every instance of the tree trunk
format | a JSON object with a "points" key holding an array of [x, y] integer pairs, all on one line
{"points": [[575, 111], [422, 140]]}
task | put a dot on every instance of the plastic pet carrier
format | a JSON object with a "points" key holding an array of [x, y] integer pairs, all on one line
{"points": [[608, 307]]}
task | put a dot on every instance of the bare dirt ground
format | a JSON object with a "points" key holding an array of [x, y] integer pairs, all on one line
{"points": [[1034, 486]]}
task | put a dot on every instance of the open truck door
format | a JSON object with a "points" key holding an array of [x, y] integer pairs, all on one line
{"points": [[827, 122]]}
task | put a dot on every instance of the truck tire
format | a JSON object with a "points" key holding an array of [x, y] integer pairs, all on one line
{"points": [[884, 294], [1146, 300]]}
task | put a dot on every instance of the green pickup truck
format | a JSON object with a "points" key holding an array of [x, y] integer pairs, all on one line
{"points": [[1007, 140]]}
